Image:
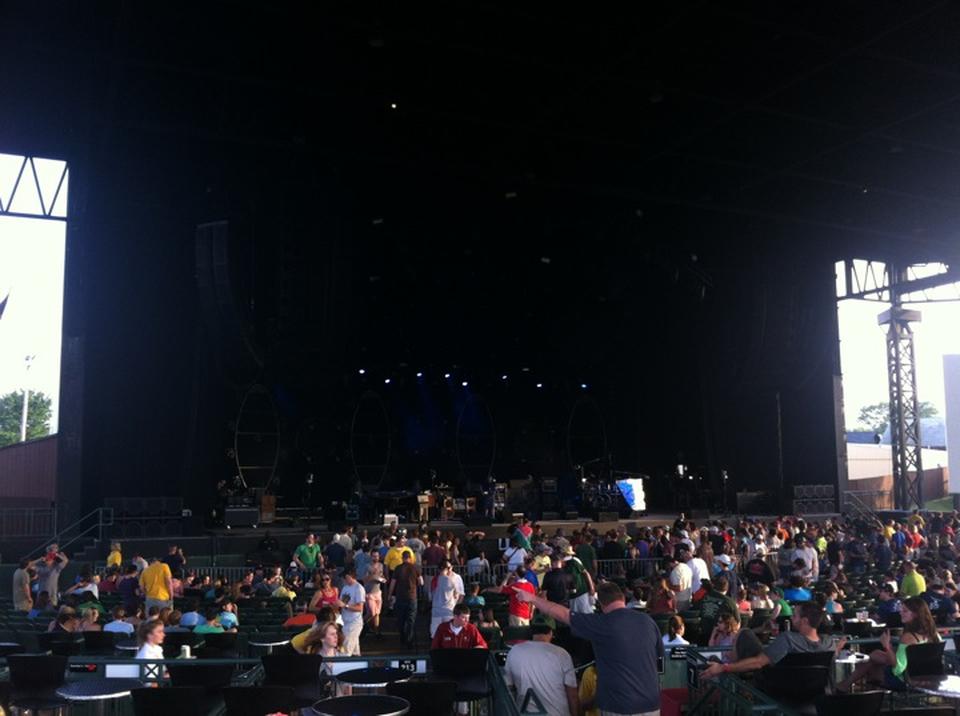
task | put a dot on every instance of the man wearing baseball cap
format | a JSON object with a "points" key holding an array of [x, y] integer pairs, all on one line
{"points": [[545, 669]]}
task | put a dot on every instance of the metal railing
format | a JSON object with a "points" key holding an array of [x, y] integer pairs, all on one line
{"points": [[27, 521], [92, 523], [726, 695]]}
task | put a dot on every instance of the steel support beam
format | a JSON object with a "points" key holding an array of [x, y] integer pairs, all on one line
{"points": [[904, 404]]}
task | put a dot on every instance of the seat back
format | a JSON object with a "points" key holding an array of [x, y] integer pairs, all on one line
{"points": [[794, 684], [427, 698], [864, 703], [808, 658], [925, 659], [291, 669], [226, 642], [174, 640], [37, 672], [457, 663], [99, 641], [259, 700], [210, 677], [60, 643], [493, 636], [177, 700]]}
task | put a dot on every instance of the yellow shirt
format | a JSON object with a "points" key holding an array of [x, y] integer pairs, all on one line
{"points": [[888, 531], [588, 689], [153, 582], [297, 641], [394, 557], [114, 559]]}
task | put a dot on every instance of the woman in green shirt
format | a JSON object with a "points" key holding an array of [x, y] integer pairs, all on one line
{"points": [[887, 665]]}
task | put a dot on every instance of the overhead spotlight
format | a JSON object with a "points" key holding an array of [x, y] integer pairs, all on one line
{"points": [[539, 385], [464, 384], [525, 370], [362, 371], [503, 377], [583, 386], [446, 376], [386, 381], [419, 374], [393, 105]]}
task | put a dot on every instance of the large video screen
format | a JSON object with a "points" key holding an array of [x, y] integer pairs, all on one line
{"points": [[32, 257]]}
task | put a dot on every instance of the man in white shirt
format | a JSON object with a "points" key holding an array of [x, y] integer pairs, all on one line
{"points": [[808, 554], [447, 594], [681, 582], [352, 598], [698, 570], [544, 670]]}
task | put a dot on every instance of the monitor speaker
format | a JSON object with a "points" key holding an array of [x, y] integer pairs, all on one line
{"points": [[241, 516]]}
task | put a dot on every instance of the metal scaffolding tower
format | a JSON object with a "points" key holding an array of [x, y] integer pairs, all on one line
{"points": [[904, 407], [896, 285]]}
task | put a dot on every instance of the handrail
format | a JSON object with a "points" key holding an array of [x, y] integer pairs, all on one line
{"points": [[104, 518], [861, 508]]}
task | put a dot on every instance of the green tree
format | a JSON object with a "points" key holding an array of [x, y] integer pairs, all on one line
{"points": [[876, 417], [11, 411]]}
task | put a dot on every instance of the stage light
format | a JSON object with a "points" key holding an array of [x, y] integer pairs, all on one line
{"points": [[446, 376], [464, 384], [525, 370], [583, 386], [539, 385], [386, 381], [419, 375], [503, 377], [362, 371], [393, 105]]}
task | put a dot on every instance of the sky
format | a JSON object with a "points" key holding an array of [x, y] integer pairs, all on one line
{"points": [[863, 353], [31, 273]]}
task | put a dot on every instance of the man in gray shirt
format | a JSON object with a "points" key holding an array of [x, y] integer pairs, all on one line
{"points": [[804, 638]]}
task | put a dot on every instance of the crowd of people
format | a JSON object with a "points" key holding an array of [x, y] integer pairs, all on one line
{"points": [[759, 588]]}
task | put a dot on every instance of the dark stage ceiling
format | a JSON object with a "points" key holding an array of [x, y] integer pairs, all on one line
{"points": [[648, 198]]}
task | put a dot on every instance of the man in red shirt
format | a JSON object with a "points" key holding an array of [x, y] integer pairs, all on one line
{"points": [[520, 612], [458, 633]]}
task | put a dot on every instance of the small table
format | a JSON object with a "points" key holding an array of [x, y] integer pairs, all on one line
{"points": [[269, 644], [99, 690], [372, 678], [364, 705], [868, 622], [10, 647], [947, 686]]}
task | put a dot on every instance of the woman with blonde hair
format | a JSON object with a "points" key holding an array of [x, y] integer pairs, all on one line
{"points": [[89, 619], [115, 558]]}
